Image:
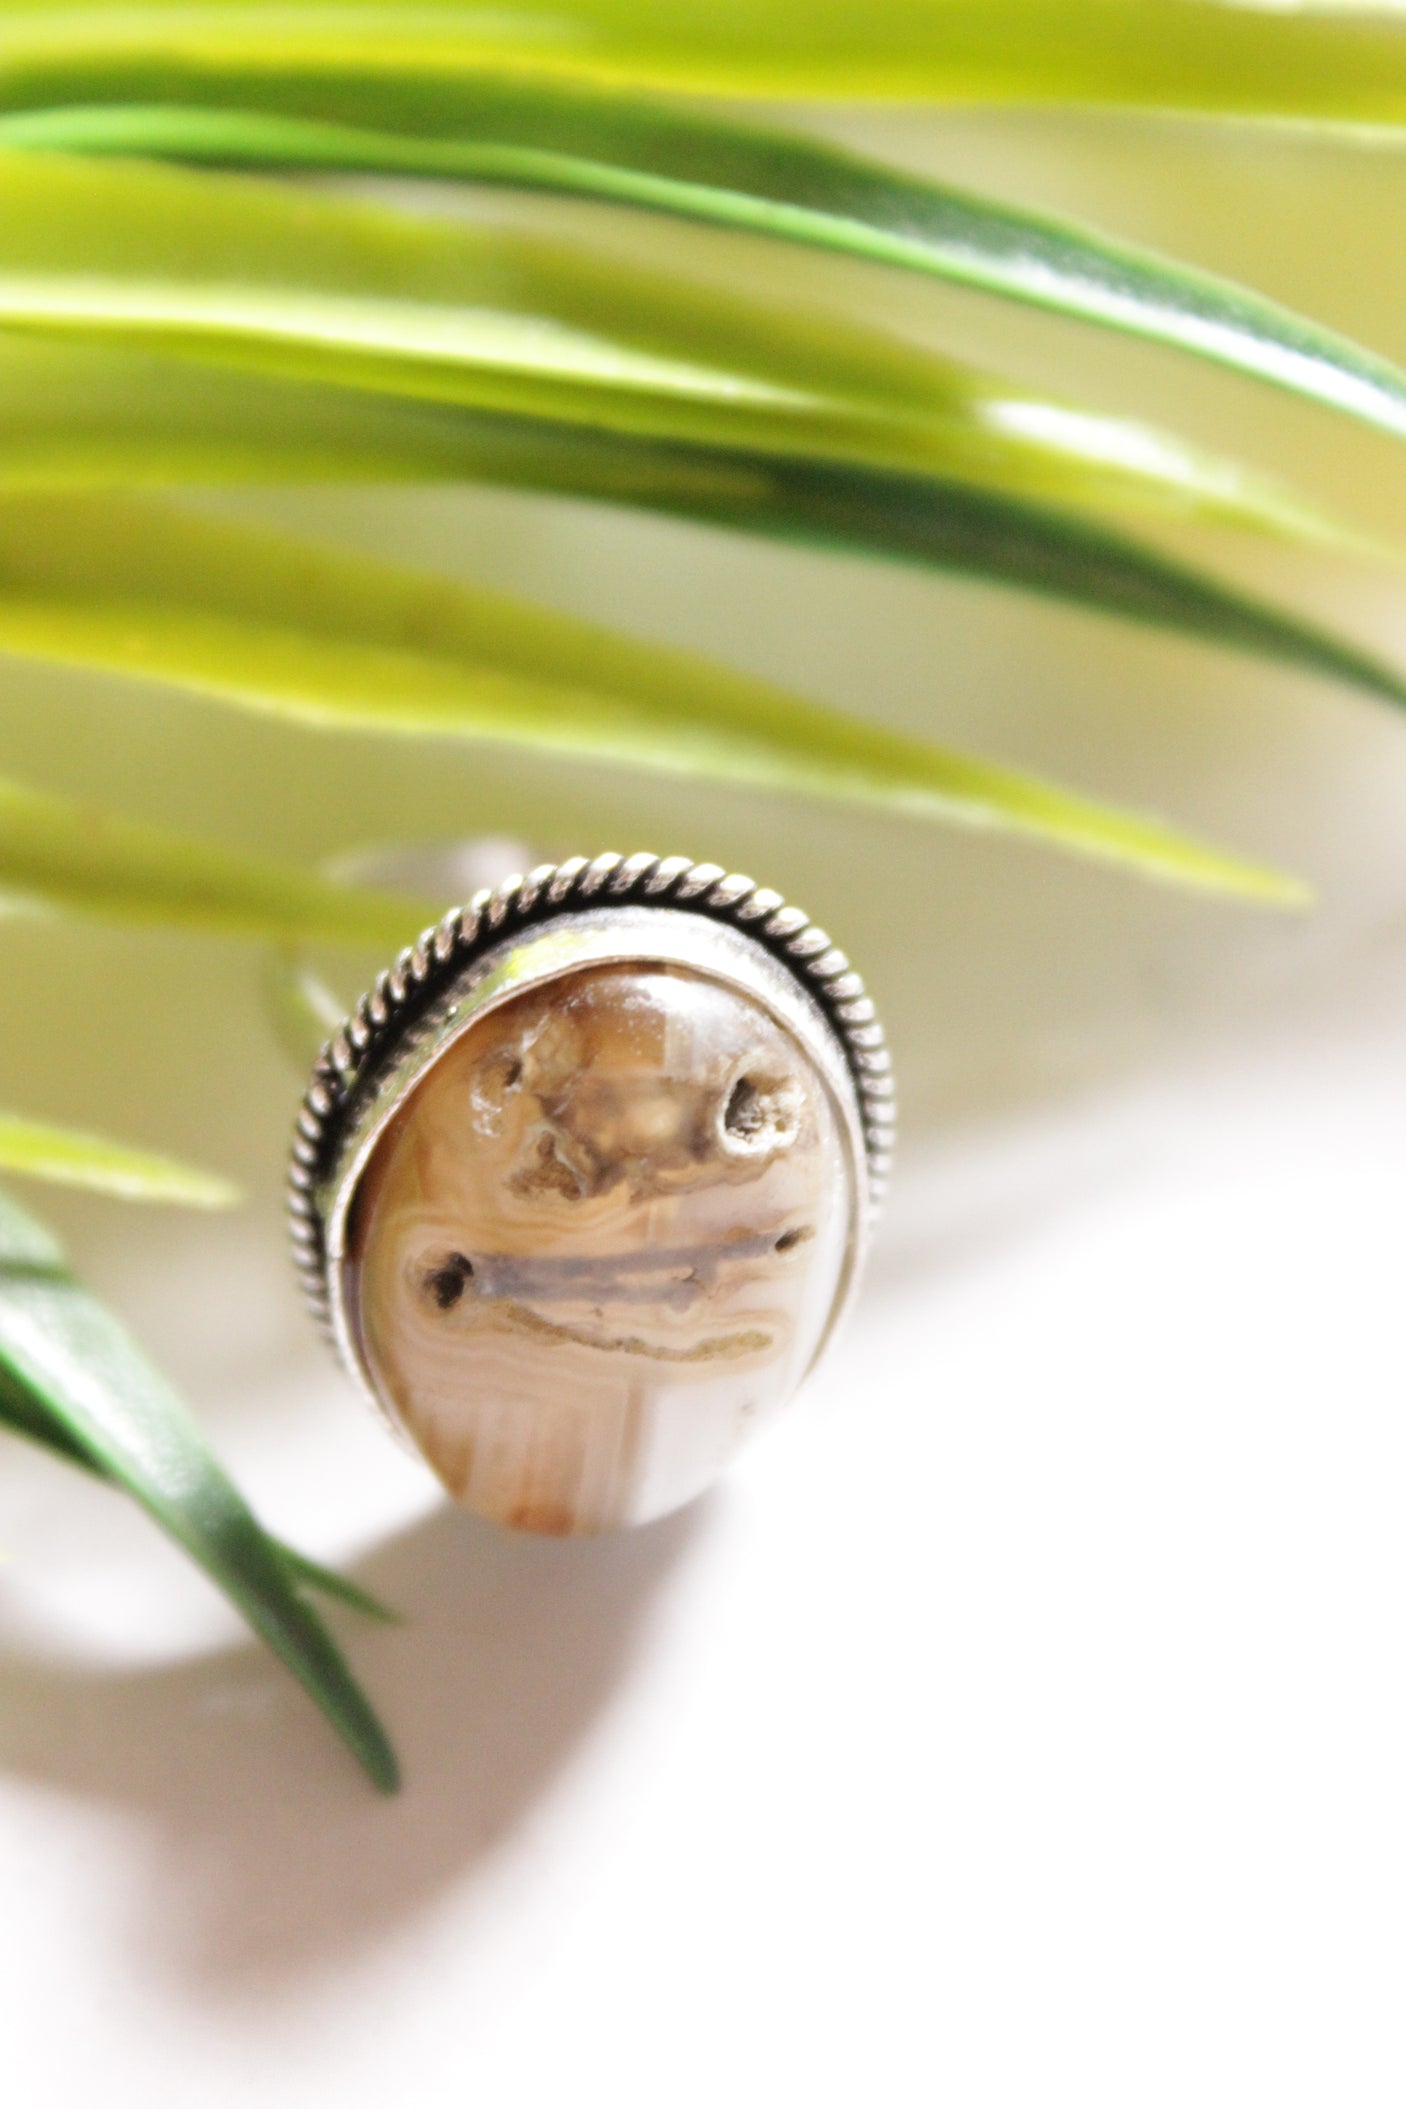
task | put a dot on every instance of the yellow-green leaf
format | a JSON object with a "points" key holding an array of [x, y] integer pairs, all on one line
{"points": [[67, 1158], [321, 636], [1317, 58], [73, 418], [83, 859], [257, 275], [691, 162]]}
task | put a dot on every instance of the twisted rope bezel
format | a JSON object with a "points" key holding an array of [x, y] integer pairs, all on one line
{"points": [[376, 1027]]}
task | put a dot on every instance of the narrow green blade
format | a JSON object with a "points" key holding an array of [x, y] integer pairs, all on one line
{"points": [[317, 635], [28, 1414], [260, 277], [694, 164], [377, 303], [946, 527], [37, 1150], [70, 1375], [82, 578], [325, 1581], [1325, 61], [82, 860]]}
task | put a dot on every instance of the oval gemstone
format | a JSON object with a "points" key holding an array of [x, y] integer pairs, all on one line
{"points": [[600, 1241]]}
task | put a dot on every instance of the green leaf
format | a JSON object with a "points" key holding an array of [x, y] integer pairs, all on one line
{"points": [[259, 276], [939, 526], [1326, 60], [69, 1375], [318, 635], [39, 1151], [28, 1414], [77, 420], [240, 273], [325, 1581], [694, 164], [135, 588], [74, 416], [82, 859], [95, 581]]}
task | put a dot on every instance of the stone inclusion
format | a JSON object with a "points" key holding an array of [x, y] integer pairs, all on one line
{"points": [[601, 1240]]}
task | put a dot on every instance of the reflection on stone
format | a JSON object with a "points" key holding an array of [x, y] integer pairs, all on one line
{"points": [[601, 1239]]}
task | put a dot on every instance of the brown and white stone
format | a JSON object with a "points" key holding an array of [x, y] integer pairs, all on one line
{"points": [[601, 1239]]}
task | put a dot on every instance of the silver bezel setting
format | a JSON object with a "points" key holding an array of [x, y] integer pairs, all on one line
{"points": [[417, 1007]]}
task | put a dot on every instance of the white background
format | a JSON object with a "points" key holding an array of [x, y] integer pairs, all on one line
{"points": [[1023, 1723]]}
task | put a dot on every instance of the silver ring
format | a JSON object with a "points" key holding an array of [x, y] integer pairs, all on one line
{"points": [[568, 1372]]}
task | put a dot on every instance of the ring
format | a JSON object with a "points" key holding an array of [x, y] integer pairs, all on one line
{"points": [[582, 1187]]}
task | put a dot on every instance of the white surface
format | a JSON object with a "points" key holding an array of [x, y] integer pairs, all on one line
{"points": [[1024, 1723]]}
